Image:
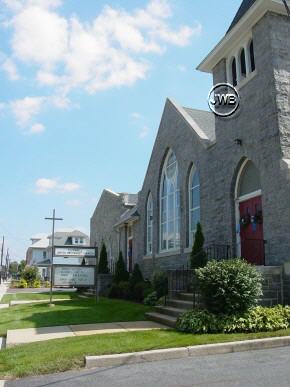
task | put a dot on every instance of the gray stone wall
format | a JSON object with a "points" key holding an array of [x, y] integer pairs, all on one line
{"points": [[263, 125], [106, 215]]}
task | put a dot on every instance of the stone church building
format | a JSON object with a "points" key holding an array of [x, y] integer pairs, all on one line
{"points": [[230, 174]]}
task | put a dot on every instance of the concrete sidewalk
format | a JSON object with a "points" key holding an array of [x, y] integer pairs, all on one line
{"points": [[30, 335], [3, 289]]}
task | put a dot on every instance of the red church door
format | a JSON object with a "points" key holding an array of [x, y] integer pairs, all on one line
{"points": [[251, 231]]}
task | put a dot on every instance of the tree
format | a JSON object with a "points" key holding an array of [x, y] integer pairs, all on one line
{"points": [[136, 275], [30, 274], [13, 268], [21, 267], [121, 273], [103, 262], [198, 256]]}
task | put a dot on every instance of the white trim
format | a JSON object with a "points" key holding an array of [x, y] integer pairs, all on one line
{"points": [[251, 195], [176, 216], [189, 120], [191, 210], [168, 253]]}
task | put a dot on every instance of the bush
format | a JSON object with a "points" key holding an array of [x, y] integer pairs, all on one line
{"points": [[36, 284], [46, 284], [160, 283], [30, 274], [151, 299], [121, 274], [103, 262], [198, 256], [22, 283], [120, 290], [136, 275], [229, 287], [258, 319]]}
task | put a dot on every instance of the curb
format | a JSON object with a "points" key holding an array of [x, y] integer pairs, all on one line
{"points": [[179, 353]]}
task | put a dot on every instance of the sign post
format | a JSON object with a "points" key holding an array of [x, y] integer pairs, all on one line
{"points": [[52, 252]]}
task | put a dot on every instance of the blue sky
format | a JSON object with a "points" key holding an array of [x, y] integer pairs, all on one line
{"points": [[83, 86]]}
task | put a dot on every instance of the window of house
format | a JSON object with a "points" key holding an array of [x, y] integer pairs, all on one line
{"points": [[243, 63], [76, 240], [234, 72], [44, 254], [194, 203], [149, 224], [252, 56], [170, 205], [81, 240]]}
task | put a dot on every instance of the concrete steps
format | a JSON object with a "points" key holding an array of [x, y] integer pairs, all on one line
{"points": [[174, 308], [162, 319], [181, 304]]}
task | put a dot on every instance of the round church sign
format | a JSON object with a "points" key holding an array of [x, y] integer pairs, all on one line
{"points": [[223, 99]]}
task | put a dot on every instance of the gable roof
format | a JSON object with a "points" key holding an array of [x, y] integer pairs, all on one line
{"points": [[205, 120], [202, 122], [244, 7]]}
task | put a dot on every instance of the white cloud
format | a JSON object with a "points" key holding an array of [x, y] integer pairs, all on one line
{"points": [[136, 115], [25, 109], [46, 185], [107, 52], [73, 203], [182, 68], [10, 68], [144, 132], [36, 129], [65, 53], [69, 187]]}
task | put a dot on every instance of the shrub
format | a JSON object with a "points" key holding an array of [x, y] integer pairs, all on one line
{"points": [[160, 283], [229, 287], [103, 262], [151, 299], [30, 274], [258, 319], [136, 275], [198, 256], [46, 284], [22, 283], [36, 284], [120, 290], [139, 291], [121, 274]]}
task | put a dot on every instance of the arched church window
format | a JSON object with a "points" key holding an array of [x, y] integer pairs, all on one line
{"points": [[194, 203], [243, 63], [252, 56], [234, 72], [149, 224], [170, 204]]}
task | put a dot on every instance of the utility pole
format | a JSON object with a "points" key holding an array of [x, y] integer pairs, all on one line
{"points": [[7, 264], [2, 253], [52, 251]]}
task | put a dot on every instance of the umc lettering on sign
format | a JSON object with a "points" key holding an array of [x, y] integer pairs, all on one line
{"points": [[223, 100]]}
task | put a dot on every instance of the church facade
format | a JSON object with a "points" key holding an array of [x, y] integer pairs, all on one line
{"points": [[230, 174]]}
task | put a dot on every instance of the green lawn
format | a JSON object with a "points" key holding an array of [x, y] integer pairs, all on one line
{"points": [[36, 296], [66, 354], [77, 311]]}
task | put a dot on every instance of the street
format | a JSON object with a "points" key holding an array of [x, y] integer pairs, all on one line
{"points": [[255, 368]]}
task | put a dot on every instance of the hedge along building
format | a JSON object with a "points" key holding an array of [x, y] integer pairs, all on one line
{"points": [[231, 174]]}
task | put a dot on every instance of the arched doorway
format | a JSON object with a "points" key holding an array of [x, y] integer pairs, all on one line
{"points": [[249, 214]]}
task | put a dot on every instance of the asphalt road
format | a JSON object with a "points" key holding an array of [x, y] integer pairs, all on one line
{"points": [[256, 368]]}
